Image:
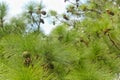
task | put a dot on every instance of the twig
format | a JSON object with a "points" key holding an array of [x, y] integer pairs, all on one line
{"points": [[113, 42]]}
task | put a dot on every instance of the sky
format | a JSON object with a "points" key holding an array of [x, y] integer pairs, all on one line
{"points": [[16, 7]]}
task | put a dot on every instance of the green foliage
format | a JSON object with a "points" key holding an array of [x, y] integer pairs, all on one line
{"points": [[53, 13], [77, 48], [3, 9], [3, 13]]}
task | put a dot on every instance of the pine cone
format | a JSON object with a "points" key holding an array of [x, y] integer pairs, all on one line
{"points": [[65, 17], [27, 61], [42, 21], [43, 12], [110, 12], [26, 54]]}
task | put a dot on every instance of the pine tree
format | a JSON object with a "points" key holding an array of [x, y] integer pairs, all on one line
{"points": [[83, 46]]}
